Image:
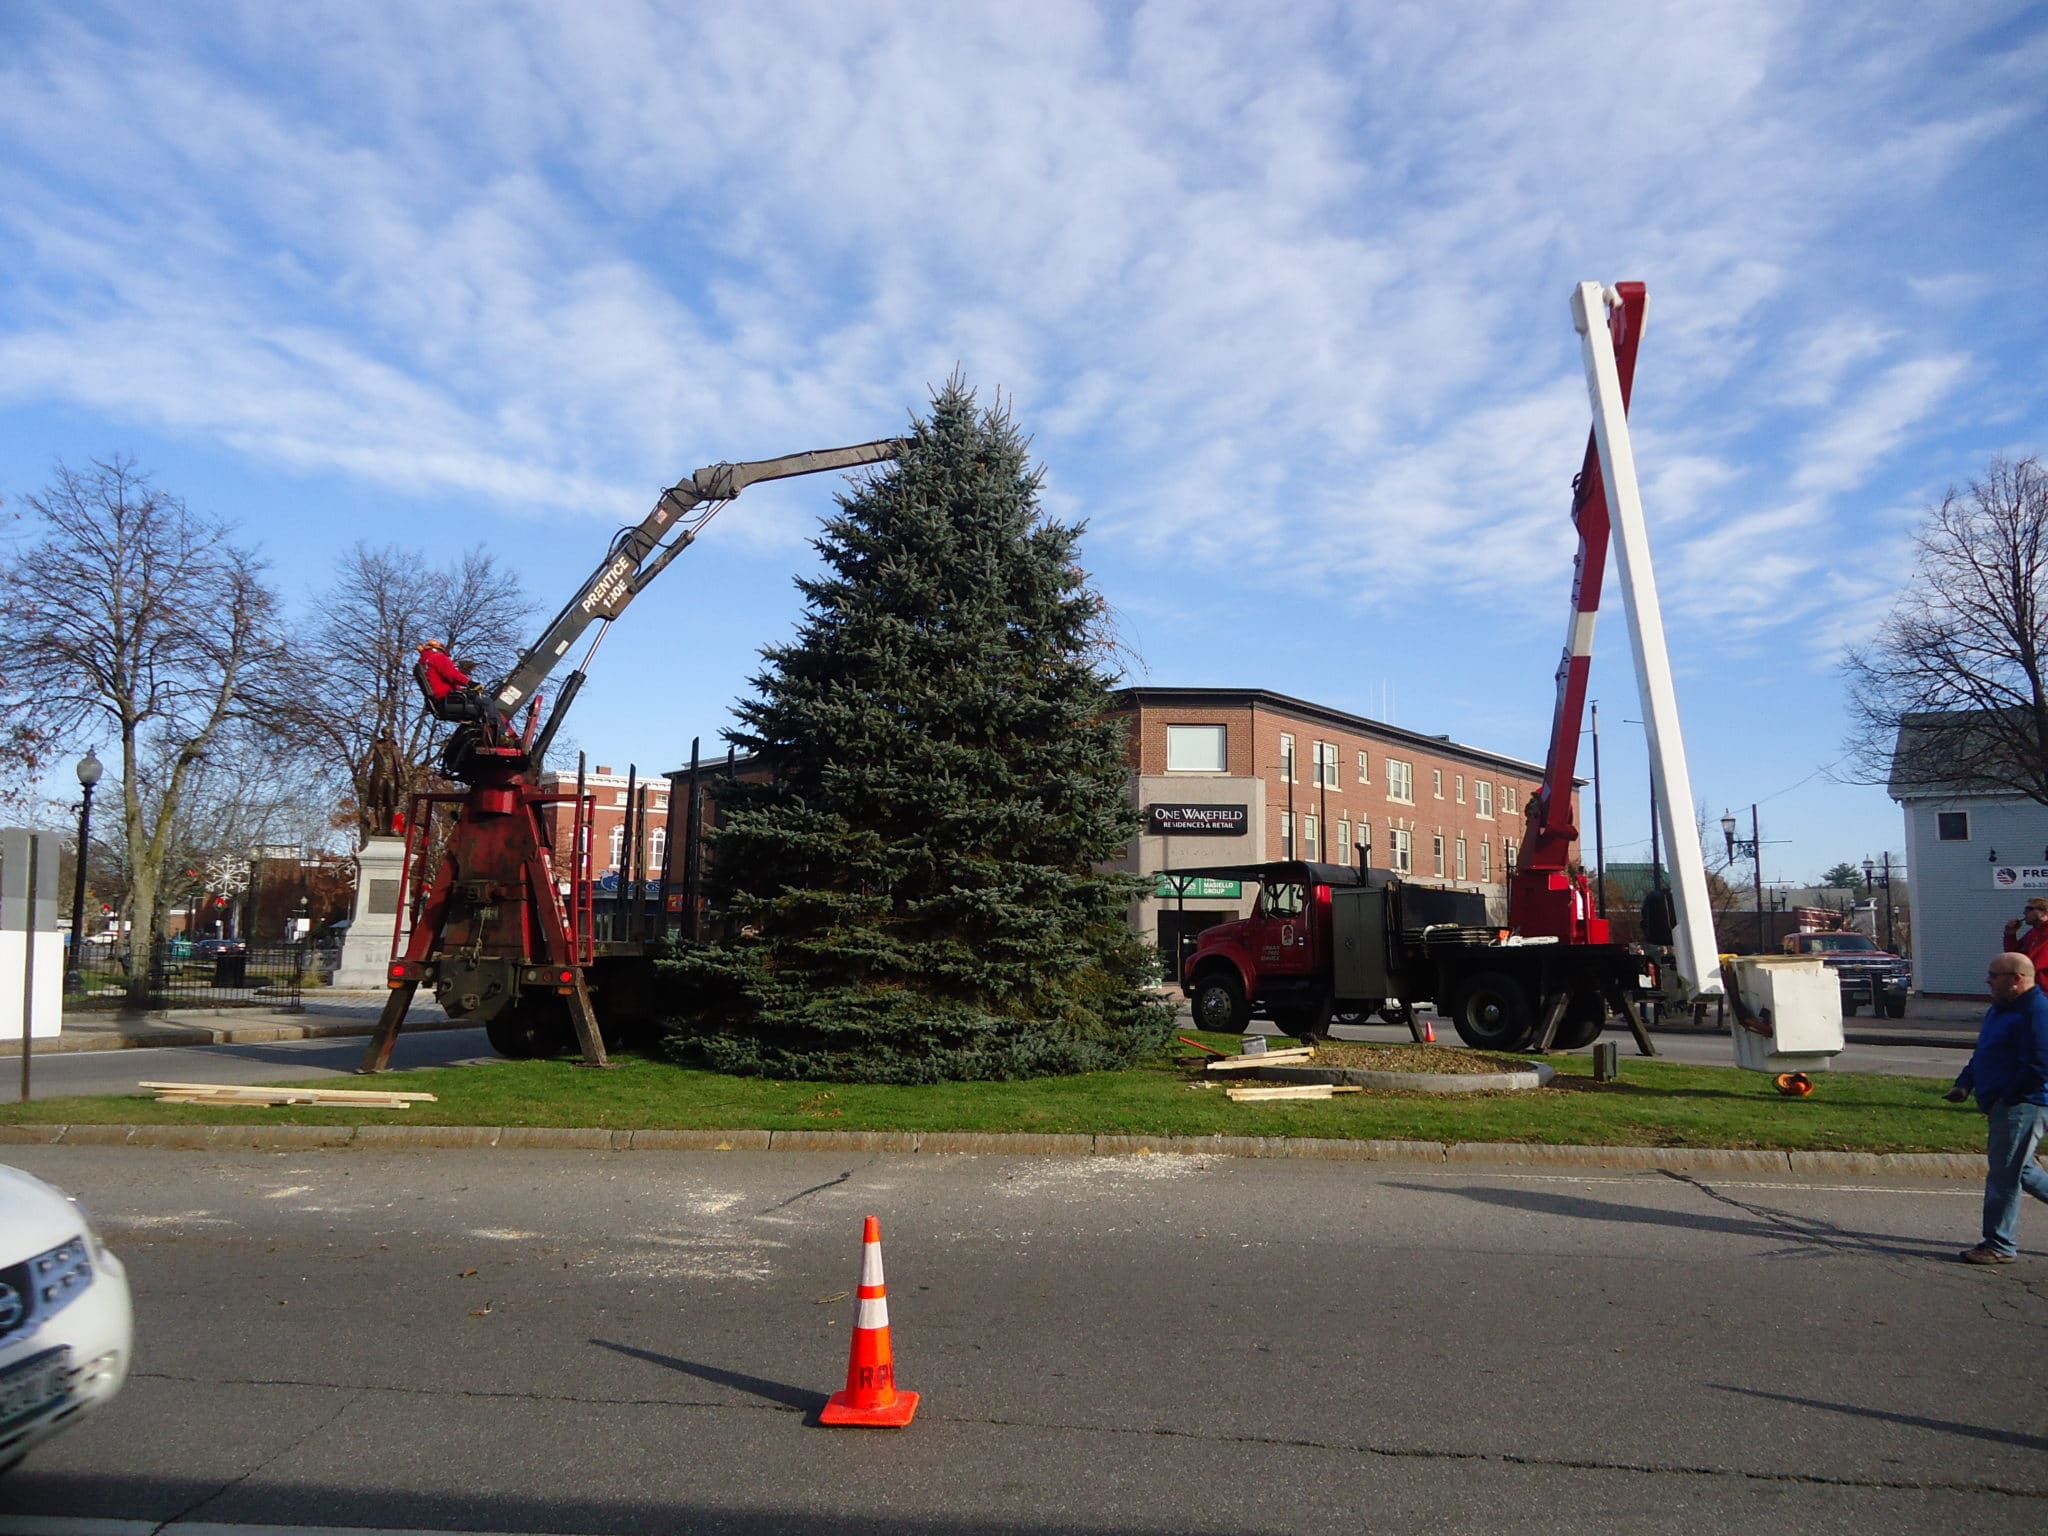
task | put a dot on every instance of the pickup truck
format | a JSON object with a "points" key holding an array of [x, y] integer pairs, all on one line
{"points": [[1868, 974]]}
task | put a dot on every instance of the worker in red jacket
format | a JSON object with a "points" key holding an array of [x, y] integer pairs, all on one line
{"points": [[442, 680], [2033, 943]]}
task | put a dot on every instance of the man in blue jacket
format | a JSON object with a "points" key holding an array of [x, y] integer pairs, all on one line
{"points": [[2009, 1072]]}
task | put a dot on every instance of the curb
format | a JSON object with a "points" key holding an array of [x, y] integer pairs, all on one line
{"points": [[1912, 1165]]}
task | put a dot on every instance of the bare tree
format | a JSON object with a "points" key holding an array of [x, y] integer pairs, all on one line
{"points": [[129, 614], [383, 604], [1956, 680]]}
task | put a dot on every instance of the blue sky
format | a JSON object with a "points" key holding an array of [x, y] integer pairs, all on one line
{"points": [[1281, 294]]}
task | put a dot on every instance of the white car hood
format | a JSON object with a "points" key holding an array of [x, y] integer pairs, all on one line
{"points": [[34, 1216]]}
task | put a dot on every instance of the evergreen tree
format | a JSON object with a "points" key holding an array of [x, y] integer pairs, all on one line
{"points": [[917, 883]]}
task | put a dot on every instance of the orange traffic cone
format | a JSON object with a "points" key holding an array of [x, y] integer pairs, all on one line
{"points": [[1428, 1033], [871, 1396]]}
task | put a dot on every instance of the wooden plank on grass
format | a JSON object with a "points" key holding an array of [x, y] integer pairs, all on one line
{"points": [[330, 1095], [1290, 1091], [1292, 1057]]}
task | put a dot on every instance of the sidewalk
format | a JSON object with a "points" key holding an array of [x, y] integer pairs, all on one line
{"points": [[325, 1014]]}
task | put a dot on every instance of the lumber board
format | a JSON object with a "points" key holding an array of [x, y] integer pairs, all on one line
{"points": [[279, 1101], [1288, 1058], [334, 1095], [1290, 1091]]}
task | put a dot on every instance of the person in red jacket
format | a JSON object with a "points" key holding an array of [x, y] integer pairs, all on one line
{"points": [[445, 684], [2033, 943]]}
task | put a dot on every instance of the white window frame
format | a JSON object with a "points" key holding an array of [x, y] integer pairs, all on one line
{"points": [[1327, 776], [1287, 762], [1482, 799], [1485, 859], [1364, 769], [1311, 830], [1461, 789], [657, 849], [1400, 851], [1343, 840], [1184, 736], [1287, 834], [618, 842], [1506, 805], [1400, 781], [1461, 859], [1436, 848], [1436, 783]]}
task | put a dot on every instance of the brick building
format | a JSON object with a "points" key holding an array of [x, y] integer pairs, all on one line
{"points": [[1241, 776], [608, 791]]}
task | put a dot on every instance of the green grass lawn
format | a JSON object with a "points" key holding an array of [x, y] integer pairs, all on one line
{"points": [[1654, 1103]]}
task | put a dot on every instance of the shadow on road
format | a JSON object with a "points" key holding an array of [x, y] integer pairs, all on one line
{"points": [[1910, 1420], [800, 1398], [1757, 1224]]}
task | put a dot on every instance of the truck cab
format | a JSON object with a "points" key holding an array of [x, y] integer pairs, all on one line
{"points": [[1273, 961], [1869, 975]]}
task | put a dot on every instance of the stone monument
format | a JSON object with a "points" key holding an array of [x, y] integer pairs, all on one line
{"points": [[367, 950]]}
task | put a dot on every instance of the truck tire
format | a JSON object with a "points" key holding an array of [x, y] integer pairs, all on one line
{"points": [[531, 1028], [1584, 1017], [1307, 1021], [1218, 1004], [1490, 1012]]}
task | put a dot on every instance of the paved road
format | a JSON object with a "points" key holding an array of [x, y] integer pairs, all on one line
{"points": [[525, 1341]]}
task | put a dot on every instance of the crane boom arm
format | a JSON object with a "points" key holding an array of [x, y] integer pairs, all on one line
{"points": [[638, 555]]}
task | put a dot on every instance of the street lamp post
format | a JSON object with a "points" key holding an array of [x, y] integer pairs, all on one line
{"points": [[89, 771], [1752, 848], [1875, 875]]}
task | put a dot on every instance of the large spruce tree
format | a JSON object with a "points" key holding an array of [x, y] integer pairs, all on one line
{"points": [[917, 885]]}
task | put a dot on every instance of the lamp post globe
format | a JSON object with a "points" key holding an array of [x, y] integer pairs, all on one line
{"points": [[89, 770]]}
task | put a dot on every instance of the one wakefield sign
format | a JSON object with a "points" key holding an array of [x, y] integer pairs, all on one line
{"points": [[1198, 820]]}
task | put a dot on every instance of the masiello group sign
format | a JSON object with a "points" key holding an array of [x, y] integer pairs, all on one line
{"points": [[1201, 820]]}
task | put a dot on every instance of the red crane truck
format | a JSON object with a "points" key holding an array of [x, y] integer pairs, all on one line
{"points": [[1330, 938], [486, 917]]}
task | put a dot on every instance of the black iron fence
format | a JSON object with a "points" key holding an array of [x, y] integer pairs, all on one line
{"points": [[209, 974]]}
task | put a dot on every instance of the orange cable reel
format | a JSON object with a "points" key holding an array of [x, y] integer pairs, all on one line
{"points": [[1794, 1085]]}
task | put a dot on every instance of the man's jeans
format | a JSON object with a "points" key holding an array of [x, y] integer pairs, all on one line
{"points": [[2014, 1130]]}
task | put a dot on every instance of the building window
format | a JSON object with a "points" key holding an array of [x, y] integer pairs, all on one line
{"points": [[1436, 782], [1482, 799], [1507, 854], [1343, 842], [618, 843], [1461, 789], [1309, 829], [1326, 766], [1507, 801], [1194, 748], [1461, 859], [1400, 781], [1398, 857], [657, 849], [1952, 826], [1287, 757], [1364, 767], [1436, 853], [1485, 858], [1287, 833]]}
